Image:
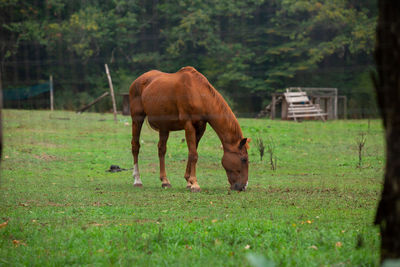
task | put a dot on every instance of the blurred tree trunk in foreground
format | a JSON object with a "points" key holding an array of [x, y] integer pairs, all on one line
{"points": [[1, 107], [387, 84]]}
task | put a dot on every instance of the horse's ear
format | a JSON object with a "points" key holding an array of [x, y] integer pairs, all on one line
{"points": [[243, 142], [248, 142]]}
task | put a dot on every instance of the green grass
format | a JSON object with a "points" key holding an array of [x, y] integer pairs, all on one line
{"points": [[63, 208]]}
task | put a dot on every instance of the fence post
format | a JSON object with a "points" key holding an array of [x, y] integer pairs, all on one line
{"points": [[335, 105], [273, 103], [112, 92], [51, 94]]}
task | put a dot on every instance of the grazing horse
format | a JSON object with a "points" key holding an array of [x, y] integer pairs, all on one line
{"points": [[185, 100]]}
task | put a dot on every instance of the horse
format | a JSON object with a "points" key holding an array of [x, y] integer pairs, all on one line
{"points": [[186, 100]]}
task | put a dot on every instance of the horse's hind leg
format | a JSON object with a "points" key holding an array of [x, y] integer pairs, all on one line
{"points": [[162, 149], [137, 122], [200, 128]]}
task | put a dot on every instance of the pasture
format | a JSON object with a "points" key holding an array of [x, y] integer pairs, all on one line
{"points": [[63, 208]]}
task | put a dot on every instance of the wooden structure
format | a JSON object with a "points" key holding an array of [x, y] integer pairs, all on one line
{"points": [[125, 103], [327, 99], [300, 106], [111, 92], [51, 93], [82, 109]]}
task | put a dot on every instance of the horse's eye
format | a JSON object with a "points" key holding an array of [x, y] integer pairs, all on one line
{"points": [[244, 160]]}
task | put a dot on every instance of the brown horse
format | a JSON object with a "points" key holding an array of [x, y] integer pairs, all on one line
{"points": [[185, 100]]}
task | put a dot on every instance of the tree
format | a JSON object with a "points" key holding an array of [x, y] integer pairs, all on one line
{"points": [[308, 35], [246, 48], [387, 84], [1, 119]]}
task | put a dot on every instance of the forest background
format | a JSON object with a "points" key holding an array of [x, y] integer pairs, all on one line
{"points": [[247, 49]]}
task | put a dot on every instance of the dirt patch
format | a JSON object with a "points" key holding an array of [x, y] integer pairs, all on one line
{"points": [[142, 221], [301, 190], [54, 204], [48, 145], [42, 204], [99, 204], [121, 222], [45, 157]]}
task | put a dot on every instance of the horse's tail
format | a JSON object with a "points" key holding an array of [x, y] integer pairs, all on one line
{"points": [[134, 89], [135, 100], [135, 94]]}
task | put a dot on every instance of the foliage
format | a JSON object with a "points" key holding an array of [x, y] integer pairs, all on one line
{"points": [[246, 48], [63, 208], [273, 160], [360, 146], [260, 146]]}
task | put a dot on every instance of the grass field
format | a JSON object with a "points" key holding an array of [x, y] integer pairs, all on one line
{"points": [[63, 208]]}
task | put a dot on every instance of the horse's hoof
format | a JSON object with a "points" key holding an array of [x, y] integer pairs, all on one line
{"points": [[138, 185], [195, 189], [166, 186]]}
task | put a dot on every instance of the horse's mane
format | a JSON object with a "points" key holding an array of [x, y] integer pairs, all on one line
{"points": [[222, 107]]}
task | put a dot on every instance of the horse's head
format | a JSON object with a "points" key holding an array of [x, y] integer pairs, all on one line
{"points": [[236, 164]]}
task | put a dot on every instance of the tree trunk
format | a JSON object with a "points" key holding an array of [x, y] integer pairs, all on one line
{"points": [[1, 107], [387, 84]]}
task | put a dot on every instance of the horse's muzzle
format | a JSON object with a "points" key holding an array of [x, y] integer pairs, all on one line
{"points": [[239, 187]]}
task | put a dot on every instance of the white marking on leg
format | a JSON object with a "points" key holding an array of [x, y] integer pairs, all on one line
{"points": [[247, 183], [136, 175]]}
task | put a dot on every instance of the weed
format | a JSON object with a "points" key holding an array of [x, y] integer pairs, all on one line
{"points": [[260, 147], [273, 160], [360, 146]]}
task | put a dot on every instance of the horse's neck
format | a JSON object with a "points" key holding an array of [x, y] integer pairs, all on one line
{"points": [[226, 126]]}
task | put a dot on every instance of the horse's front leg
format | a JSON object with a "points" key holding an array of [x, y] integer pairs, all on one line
{"points": [[190, 134], [200, 129], [162, 149]]}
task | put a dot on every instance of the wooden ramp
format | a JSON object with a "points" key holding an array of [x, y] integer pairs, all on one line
{"points": [[268, 109], [300, 106]]}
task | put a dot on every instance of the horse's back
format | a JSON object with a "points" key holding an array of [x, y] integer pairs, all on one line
{"points": [[169, 99]]}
